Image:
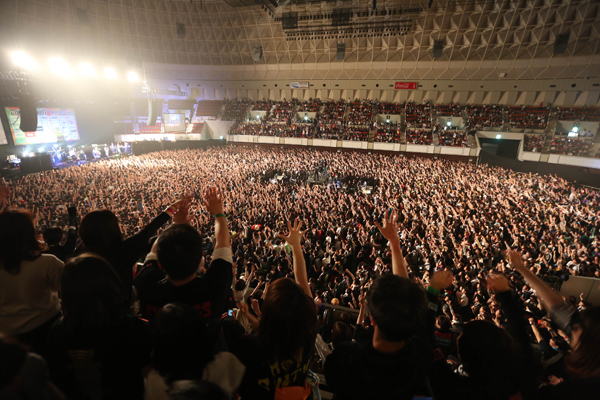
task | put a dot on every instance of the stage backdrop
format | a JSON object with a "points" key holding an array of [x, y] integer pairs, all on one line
{"points": [[54, 125]]}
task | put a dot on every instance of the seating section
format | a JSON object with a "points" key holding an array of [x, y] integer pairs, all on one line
{"points": [[448, 110], [282, 112], [209, 108], [263, 105], [356, 133], [272, 129], [333, 111], [235, 110], [570, 147], [150, 129], [526, 117], [360, 112], [387, 133], [418, 115], [452, 137], [310, 105], [419, 136], [197, 127], [591, 114], [481, 116], [390, 108], [534, 143]]}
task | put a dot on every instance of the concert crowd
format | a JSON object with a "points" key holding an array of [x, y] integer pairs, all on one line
{"points": [[446, 272]]}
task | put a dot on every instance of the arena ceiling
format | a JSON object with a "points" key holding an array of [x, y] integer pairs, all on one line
{"points": [[481, 39]]}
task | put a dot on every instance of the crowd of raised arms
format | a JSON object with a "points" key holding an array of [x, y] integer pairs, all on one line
{"points": [[447, 265]]}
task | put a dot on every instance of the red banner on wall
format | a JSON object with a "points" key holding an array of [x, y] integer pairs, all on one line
{"points": [[406, 85]]}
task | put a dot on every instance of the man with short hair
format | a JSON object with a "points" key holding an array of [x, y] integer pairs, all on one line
{"points": [[170, 275]]}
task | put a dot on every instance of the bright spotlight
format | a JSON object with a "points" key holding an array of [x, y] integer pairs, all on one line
{"points": [[449, 123], [498, 136], [257, 116], [387, 120], [60, 67], [110, 73], [575, 129], [220, 137], [23, 60], [132, 76], [41, 149], [86, 69]]}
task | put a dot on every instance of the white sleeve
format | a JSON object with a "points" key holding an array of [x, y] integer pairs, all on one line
{"points": [[223, 253]]}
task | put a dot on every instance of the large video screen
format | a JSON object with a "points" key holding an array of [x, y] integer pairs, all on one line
{"points": [[174, 123], [54, 125]]}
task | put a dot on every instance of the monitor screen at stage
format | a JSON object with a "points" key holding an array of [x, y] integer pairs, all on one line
{"points": [[54, 125], [174, 123]]}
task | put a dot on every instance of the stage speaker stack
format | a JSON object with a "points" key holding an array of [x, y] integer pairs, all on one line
{"points": [[257, 53], [28, 109], [152, 112], [561, 43], [438, 48], [341, 51]]}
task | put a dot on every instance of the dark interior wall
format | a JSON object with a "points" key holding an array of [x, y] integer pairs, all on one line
{"points": [[584, 176], [501, 147]]}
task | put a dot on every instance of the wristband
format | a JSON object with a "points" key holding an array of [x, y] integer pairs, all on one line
{"points": [[170, 211], [221, 215], [432, 290]]}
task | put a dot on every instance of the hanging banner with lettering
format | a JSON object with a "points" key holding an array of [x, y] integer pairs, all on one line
{"points": [[406, 85], [299, 85]]}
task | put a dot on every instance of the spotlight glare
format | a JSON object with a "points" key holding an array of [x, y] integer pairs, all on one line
{"points": [[60, 67], [86, 69], [132, 76], [575, 129], [110, 73], [23, 60]]}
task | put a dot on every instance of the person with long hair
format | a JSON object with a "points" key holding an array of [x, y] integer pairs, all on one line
{"points": [[96, 350], [101, 234], [29, 281], [277, 356]]}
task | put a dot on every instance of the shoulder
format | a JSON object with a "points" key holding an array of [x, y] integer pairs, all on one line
{"points": [[48, 259]]}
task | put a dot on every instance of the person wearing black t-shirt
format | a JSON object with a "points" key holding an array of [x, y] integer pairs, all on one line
{"points": [[170, 275]]}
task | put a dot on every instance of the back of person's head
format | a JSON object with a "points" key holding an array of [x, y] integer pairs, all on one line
{"points": [[179, 251], [397, 305], [18, 239], [490, 357], [182, 348], [584, 360], [92, 293], [443, 322], [340, 333], [53, 236], [289, 320], [196, 390], [240, 285], [100, 231]]}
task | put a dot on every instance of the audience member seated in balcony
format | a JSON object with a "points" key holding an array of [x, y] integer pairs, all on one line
{"points": [[448, 110], [356, 134], [209, 108], [248, 128], [526, 117], [235, 110], [390, 108], [387, 132], [418, 115], [301, 118], [361, 112], [333, 131], [310, 105], [263, 105], [591, 114], [482, 116], [333, 112], [570, 147], [197, 127], [534, 143], [283, 111], [419, 136], [300, 131], [452, 137]]}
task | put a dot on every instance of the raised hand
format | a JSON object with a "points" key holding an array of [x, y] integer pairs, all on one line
{"points": [[389, 230], [498, 283], [294, 236], [441, 279], [182, 216], [214, 201]]}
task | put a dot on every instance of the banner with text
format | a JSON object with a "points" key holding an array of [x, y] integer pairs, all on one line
{"points": [[299, 85], [406, 85]]}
